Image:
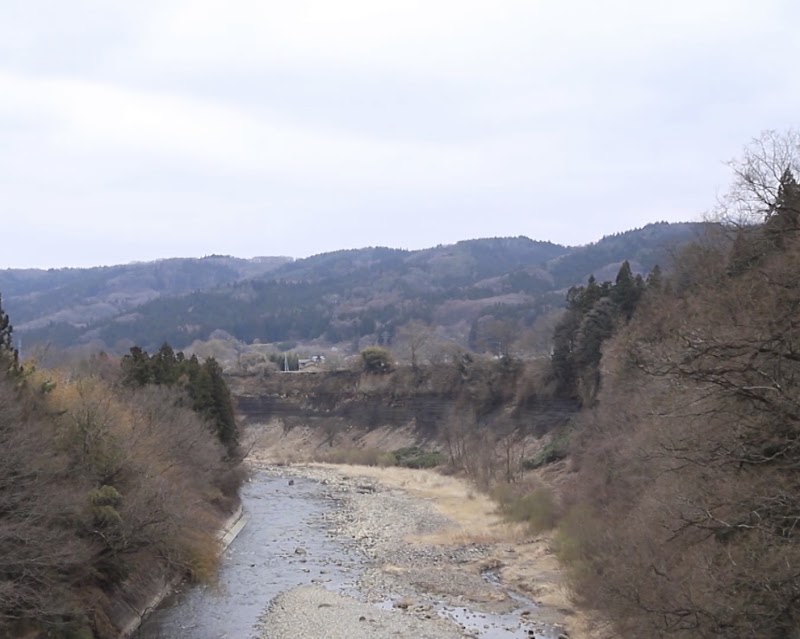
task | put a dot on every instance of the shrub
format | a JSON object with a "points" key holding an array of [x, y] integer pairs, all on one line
{"points": [[536, 508], [357, 457], [387, 459], [105, 496], [199, 553], [75, 629], [555, 450], [576, 532], [376, 360], [416, 457]]}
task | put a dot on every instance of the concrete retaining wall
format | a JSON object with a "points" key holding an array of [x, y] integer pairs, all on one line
{"points": [[130, 620]]}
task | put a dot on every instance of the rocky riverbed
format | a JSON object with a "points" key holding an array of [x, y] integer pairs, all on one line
{"points": [[338, 552], [421, 576]]}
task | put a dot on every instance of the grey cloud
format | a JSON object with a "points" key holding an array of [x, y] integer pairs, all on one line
{"points": [[138, 130]]}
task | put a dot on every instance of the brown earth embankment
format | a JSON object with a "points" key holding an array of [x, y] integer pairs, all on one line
{"points": [[352, 409]]}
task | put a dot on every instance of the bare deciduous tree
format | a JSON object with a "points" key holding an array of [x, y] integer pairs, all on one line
{"points": [[413, 337], [690, 463]]}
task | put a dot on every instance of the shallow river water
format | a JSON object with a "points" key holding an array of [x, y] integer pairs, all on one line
{"points": [[286, 543]]}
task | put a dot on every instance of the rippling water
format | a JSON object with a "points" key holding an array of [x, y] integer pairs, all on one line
{"points": [[284, 544]]}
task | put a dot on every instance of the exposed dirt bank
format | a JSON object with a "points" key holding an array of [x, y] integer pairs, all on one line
{"points": [[278, 444], [341, 404]]}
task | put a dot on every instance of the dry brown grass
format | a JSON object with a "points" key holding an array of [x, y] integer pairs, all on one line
{"points": [[527, 563], [274, 444]]}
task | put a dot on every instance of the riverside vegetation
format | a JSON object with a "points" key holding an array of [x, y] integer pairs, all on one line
{"points": [[682, 518], [679, 512], [113, 481], [673, 494]]}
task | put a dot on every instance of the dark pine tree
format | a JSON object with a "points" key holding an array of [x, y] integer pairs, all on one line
{"points": [[8, 354], [212, 399], [165, 367], [564, 361], [655, 279], [204, 383], [627, 291], [220, 411], [136, 368], [783, 216]]}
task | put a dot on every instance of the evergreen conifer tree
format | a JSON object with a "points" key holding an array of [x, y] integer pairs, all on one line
{"points": [[784, 215], [204, 384], [164, 365], [627, 290], [8, 354], [655, 279], [136, 369]]}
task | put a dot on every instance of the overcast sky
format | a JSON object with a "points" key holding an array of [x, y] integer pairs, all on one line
{"points": [[157, 128]]}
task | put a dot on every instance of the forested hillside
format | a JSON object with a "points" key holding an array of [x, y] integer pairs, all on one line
{"points": [[113, 482], [350, 298], [80, 296], [683, 514]]}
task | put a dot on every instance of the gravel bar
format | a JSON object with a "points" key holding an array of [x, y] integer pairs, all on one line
{"points": [[405, 590], [312, 612]]}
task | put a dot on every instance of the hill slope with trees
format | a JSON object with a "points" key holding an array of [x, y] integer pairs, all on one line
{"points": [[683, 514], [471, 290], [111, 485], [80, 296]]}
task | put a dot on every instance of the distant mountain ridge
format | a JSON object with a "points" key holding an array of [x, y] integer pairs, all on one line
{"points": [[84, 295], [349, 296]]}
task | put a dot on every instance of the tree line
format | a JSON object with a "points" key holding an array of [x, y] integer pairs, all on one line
{"points": [[113, 477], [203, 383], [594, 312], [682, 518]]}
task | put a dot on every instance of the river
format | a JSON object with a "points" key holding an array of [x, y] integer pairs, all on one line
{"points": [[284, 544], [287, 543]]}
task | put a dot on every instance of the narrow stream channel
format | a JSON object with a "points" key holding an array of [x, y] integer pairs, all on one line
{"points": [[286, 544]]}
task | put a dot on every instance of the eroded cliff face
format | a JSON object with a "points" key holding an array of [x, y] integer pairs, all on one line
{"points": [[425, 406]]}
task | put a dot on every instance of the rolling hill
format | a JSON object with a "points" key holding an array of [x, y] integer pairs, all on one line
{"points": [[342, 297]]}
